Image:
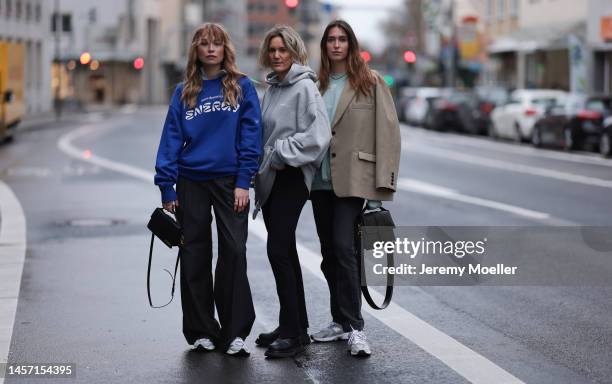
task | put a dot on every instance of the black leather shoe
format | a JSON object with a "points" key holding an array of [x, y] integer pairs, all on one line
{"points": [[285, 347], [305, 339], [265, 339]]}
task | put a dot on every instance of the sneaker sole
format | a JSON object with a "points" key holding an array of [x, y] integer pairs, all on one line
{"points": [[360, 354], [240, 353], [201, 348], [280, 354], [344, 336]]}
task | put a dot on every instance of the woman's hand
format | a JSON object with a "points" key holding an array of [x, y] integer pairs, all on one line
{"points": [[241, 199], [171, 206]]}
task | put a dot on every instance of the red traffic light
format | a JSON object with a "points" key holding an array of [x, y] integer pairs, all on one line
{"points": [[138, 63], [292, 3], [85, 58], [410, 57], [366, 56]]}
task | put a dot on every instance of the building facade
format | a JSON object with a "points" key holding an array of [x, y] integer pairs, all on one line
{"points": [[26, 23]]}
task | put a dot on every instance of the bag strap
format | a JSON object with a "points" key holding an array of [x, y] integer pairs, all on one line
{"points": [[364, 288], [149, 276]]}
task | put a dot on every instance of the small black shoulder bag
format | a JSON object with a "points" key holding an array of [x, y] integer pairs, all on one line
{"points": [[170, 233], [382, 220]]}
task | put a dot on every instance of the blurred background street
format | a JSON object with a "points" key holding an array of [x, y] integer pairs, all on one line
{"points": [[505, 120]]}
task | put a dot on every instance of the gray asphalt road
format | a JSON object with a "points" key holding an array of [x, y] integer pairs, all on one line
{"points": [[83, 295]]}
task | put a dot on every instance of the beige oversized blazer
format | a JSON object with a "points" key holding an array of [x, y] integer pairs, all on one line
{"points": [[366, 144]]}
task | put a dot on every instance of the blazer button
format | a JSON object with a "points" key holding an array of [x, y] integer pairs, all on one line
{"points": [[333, 155]]}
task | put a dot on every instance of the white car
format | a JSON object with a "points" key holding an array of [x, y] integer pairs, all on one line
{"points": [[415, 111], [515, 119]]}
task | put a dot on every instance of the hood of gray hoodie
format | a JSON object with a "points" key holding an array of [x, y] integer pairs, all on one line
{"points": [[296, 128], [296, 73]]}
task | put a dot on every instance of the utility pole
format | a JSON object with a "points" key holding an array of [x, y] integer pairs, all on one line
{"points": [[58, 27], [449, 62]]}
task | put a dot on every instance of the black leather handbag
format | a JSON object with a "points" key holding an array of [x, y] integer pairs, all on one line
{"points": [[383, 222], [170, 233]]}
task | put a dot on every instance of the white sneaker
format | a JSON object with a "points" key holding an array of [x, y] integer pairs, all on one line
{"points": [[204, 343], [238, 348], [332, 332], [358, 344]]}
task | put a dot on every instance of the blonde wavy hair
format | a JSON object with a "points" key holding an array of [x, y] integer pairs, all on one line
{"points": [[292, 40], [192, 83]]}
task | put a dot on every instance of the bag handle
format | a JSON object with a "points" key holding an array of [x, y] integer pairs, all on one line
{"points": [[149, 276], [364, 288]]}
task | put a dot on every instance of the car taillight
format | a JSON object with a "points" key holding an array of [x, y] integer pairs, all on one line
{"points": [[589, 115], [486, 107], [531, 112], [448, 106]]}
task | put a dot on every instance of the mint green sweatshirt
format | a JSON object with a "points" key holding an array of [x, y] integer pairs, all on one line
{"points": [[337, 82]]}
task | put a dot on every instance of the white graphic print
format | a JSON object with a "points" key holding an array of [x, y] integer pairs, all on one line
{"points": [[210, 106]]}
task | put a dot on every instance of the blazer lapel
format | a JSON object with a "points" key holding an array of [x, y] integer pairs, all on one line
{"points": [[345, 99]]}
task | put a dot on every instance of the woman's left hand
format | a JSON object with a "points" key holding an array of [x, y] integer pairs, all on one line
{"points": [[241, 199]]}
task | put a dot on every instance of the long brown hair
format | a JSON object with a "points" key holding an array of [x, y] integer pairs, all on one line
{"points": [[359, 74], [192, 84]]}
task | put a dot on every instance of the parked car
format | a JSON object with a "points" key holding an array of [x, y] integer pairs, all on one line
{"points": [[491, 97], [516, 119], [416, 108], [574, 123], [605, 139], [460, 111]]}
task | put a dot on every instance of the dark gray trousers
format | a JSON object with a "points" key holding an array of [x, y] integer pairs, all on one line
{"points": [[231, 293]]}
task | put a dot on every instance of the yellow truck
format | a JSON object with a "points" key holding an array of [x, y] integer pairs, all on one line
{"points": [[12, 72]]}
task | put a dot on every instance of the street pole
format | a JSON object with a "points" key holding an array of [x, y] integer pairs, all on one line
{"points": [[58, 100]]}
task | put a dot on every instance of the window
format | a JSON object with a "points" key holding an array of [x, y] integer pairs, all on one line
{"points": [[37, 12], [514, 5], [489, 9], [18, 9], [9, 8], [501, 5], [28, 11], [65, 21]]}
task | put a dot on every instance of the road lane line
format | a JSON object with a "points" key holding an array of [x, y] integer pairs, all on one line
{"points": [[507, 166], [463, 360], [481, 142], [12, 258], [424, 188]]}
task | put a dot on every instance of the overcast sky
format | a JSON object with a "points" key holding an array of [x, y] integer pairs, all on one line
{"points": [[365, 17]]}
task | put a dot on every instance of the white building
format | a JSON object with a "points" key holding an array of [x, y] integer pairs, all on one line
{"points": [[27, 22]]}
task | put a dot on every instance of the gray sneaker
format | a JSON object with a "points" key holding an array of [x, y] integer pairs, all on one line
{"points": [[332, 332], [358, 344], [204, 343], [238, 348]]}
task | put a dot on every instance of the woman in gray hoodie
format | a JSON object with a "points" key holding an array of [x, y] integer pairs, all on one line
{"points": [[296, 137]]}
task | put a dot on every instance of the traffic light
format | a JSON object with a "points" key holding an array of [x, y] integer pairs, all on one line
{"points": [[410, 57], [138, 63], [292, 4], [366, 56]]}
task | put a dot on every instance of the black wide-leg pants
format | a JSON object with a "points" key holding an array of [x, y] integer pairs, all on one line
{"points": [[231, 292], [335, 218], [281, 213]]}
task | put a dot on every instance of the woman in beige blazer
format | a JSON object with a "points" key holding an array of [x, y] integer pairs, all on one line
{"points": [[361, 165]]}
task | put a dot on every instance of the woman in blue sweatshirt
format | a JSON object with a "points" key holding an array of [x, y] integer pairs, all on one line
{"points": [[209, 148]]}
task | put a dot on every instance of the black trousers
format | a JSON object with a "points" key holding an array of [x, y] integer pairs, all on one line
{"points": [[231, 293], [281, 214], [335, 218]]}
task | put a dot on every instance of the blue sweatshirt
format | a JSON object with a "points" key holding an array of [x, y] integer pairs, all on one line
{"points": [[210, 141]]}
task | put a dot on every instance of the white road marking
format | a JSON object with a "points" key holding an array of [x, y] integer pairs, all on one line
{"points": [[12, 257], [487, 162], [466, 362], [513, 148], [424, 188]]}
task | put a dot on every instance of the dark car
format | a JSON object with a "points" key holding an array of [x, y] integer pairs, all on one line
{"points": [[460, 111], [605, 140], [489, 98], [575, 123]]}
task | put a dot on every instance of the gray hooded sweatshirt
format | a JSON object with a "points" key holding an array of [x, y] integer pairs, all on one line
{"points": [[296, 129]]}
